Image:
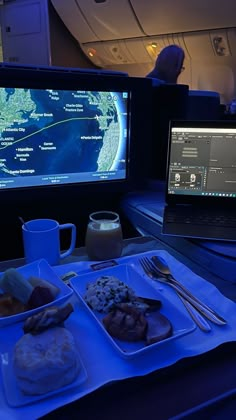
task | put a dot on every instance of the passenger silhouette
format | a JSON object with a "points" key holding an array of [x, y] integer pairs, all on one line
{"points": [[169, 64]]}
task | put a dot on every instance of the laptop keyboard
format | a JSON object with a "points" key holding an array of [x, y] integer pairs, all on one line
{"points": [[226, 220]]}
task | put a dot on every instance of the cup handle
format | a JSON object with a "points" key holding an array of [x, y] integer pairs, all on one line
{"points": [[73, 239]]}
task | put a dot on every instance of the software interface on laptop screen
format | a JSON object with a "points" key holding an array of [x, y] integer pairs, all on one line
{"points": [[53, 136], [202, 161]]}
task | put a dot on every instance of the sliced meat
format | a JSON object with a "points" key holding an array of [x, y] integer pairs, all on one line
{"points": [[126, 323], [159, 327], [48, 318]]}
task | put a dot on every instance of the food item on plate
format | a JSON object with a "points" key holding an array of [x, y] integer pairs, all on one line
{"points": [[158, 327], [126, 323], [40, 296], [47, 318], [10, 306], [145, 304], [130, 324], [23, 294], [45, 362], [38, 282], [129, 317], [107, 292], [14, 283]]}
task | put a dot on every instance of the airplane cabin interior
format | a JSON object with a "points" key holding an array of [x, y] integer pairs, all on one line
{"points": [[83, 129]]}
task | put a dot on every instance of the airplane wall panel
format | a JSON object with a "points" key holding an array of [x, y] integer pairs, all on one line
{"points": [[15, 26], [199, 44], [109, 19], [231, 36], [25, 32], [76, 23], [137, 49], [178, 39], [146, 49], [172, 16], [215, 75], [120, 52], [219, 78]]}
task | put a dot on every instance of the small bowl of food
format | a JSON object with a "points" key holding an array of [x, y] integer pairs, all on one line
{"points": [[27, 290]]}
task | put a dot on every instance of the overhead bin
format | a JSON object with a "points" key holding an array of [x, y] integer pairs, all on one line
{"points": [[90, 20], [110, 19], [73, 19], [183, 15], [104, 20], [124, 32]]}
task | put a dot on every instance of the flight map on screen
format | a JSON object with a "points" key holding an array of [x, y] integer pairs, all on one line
{"points": [[62, 136]]}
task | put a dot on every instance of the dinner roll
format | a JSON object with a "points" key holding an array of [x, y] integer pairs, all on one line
{"points": [[45, 362]]}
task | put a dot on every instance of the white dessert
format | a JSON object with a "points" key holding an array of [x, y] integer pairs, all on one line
{"points": [[45, 362]]}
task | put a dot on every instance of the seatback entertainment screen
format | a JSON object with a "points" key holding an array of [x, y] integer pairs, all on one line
{"points": [[52, 136]]}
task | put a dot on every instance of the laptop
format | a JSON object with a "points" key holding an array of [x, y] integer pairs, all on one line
{"points": [[200, 191]]}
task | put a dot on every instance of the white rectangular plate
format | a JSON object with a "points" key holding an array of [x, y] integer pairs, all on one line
{"points": [[181, 322], [43, 270]]}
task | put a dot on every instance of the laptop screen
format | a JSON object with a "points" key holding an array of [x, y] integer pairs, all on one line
{"points": [[202, 159]]}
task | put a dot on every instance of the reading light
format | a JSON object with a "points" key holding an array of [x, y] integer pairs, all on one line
{"points": [[153, 50], [91, 52]]}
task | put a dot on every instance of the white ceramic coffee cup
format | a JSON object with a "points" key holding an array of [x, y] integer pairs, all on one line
{"points": [[41, 239]]}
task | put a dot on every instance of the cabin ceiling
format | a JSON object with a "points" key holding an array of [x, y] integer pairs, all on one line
{"points": [[103, 20], [112, 32], [158, 17]]}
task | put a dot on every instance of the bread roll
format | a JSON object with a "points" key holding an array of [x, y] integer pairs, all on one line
{"points": [[46, 361]]}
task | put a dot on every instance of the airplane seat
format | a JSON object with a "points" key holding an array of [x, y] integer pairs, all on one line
{"points": [[203, 105], [169, 101], [7, 67], [157, 82]]}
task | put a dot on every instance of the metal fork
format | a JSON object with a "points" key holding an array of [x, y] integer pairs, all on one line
{"points": [[195, 315], [164, 271], [151, 270]]}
